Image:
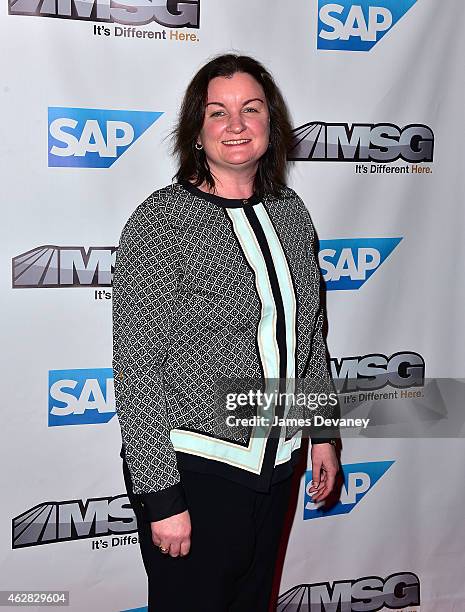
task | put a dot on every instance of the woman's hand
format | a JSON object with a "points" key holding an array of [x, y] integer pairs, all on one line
{"points": [[325, 466], [173, 534]]}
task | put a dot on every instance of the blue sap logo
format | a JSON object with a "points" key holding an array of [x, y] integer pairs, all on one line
{"points": [[144, 609], [347, 263], [359, 478], [78, 397], [91, 137], [357, 25]]}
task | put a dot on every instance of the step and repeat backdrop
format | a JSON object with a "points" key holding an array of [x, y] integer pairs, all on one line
{"points": [[90, 92]]}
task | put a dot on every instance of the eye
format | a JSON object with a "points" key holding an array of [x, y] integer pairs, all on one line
{"points": [[250, 109], [217, 114]]}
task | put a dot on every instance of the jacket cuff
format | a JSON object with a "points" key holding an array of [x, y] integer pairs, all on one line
{"points": [[164, 503], [322, 440]]}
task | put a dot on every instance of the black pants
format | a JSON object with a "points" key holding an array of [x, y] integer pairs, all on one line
{"points": [[234, 545]]}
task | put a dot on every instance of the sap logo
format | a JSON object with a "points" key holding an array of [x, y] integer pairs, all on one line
{"points": [[376, 142], [73, 520], [350, 25], [143, 609], [347, 263], [91, 137], [164, 12], [368, 593], [63, 266], [359, 478], [79, 397]]}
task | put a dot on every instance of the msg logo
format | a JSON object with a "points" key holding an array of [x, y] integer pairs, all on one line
{"points": [[80, 397], [376, 142], [64, 266], [359, 478], [168, 13], [347, 263], [74, 519], [91, 137], [367, 593], [375, 371], [357, 25]]}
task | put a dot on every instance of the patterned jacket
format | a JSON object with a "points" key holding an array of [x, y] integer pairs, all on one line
{"points": [[207, 287]]}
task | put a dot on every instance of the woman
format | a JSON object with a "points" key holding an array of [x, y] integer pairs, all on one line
{"points": [[216, 277]]}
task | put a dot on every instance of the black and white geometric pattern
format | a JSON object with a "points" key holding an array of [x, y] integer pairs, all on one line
{"points": [[185, 313]]}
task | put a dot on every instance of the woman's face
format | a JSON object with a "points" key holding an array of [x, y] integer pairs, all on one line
{"points": [[235, 132]]}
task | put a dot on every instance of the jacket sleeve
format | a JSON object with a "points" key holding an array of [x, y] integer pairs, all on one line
{"points": [[146, 277], [317, 367]]}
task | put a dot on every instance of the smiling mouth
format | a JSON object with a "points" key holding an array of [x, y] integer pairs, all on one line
{"points": [[236, 142]]}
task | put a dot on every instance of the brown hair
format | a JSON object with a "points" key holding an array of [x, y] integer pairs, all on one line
{"points": [[193, 164]]}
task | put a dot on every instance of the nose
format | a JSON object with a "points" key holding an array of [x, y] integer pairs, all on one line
{"points": [[236, 124]]}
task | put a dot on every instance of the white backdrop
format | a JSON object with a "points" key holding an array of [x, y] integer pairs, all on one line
{"points": [[399, 519]]}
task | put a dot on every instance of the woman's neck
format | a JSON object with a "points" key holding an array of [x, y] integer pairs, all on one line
{"points": [[237, 185]]}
